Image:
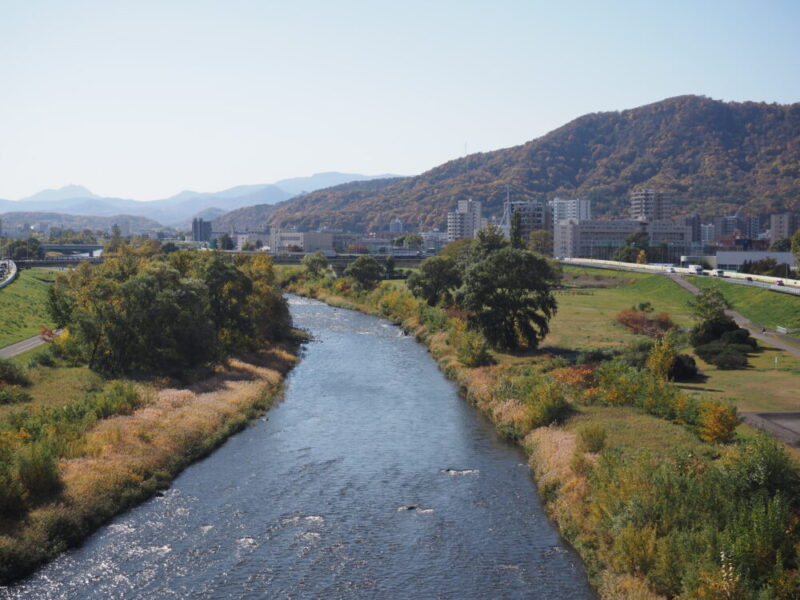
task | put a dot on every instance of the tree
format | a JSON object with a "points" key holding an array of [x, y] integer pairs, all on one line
{"points": [[710, 305], [435, 280], [316, 264], [225, 242], [631, 250], [27, 249], [487, 240], [390, 266], [541, 241], [508, 294], [365, 270], [781, 245], [516, 231], [796, 244]]}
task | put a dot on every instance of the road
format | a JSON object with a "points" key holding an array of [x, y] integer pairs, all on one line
{"points": [[21, 347], [776, 339]]}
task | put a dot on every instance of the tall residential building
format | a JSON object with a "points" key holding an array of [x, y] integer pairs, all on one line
{"points": [[782, 226], [396, 226], [201, 230], [534, 216], [465, 221], [580, 210], [649, 204]]}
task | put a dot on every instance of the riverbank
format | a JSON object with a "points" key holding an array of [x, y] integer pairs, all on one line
{"points": [[126, 458], [653, 510]]}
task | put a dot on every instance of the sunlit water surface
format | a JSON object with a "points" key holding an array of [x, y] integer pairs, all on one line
{"points": [[371, 479]]}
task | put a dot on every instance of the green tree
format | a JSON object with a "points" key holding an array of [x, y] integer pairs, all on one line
{"points": [[541, 241], [516, 231], [27, 249], [316, 264], [365, 270], [796, 244], [781, 245], [710, 305], [437, 277], [390, 266], [631, 250], [508, 294], [487, 240], [225, 242]]}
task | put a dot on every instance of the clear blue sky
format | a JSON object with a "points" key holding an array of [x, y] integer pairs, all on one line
{"points": [[142, 99]]}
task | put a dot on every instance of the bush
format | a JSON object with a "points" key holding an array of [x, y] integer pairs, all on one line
{"points": [[591, 438], [739, 336], [548, 405], [717, 422], [709, 331], [640, 321], [36, 468], [683, 368], [12, 374], [473, 351], [13, 394], [730, 359]]}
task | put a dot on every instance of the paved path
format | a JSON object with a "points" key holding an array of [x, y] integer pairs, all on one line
{"points": [[772, 338], [21, 347]]}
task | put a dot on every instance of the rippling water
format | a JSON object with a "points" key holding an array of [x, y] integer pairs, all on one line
{"points": [[372, 479]]}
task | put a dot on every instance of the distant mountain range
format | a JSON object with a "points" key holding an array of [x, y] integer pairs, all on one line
{"points": [[78, 222], [713, 156], [176, 210]]}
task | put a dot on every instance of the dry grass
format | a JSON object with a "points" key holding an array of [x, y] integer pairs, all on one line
{"points": [[125, 458]]}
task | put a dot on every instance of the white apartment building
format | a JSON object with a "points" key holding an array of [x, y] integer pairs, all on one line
{"points": [[465, 221], [580, 210]]}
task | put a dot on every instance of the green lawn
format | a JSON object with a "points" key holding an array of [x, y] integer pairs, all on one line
{"points": [[585, 317], [23, 306], [760, 305]]}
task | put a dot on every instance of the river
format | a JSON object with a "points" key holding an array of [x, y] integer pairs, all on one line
{"points": [[371, 479]]}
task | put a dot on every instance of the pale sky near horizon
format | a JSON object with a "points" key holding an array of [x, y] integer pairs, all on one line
{"points": [[144, 99]]}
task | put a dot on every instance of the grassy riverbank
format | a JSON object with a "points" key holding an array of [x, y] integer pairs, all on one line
{"points": [[619, 455], [23, 306], [116, 458]]}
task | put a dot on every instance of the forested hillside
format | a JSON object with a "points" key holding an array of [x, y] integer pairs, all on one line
{"points": [[715, 156]]}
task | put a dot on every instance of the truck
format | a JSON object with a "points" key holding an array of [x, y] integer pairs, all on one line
{"points": [[718, 273], [695, 269]]}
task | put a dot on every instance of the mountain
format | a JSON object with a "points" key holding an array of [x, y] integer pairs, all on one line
{"points": [[318, 181], [713, 156], [178, 209], [78, 222], [65, 193]]}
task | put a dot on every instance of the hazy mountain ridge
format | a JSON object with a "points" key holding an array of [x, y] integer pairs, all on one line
{"points": [[175, 210], [715, 156]]}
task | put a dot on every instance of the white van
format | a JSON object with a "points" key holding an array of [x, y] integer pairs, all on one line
{"points": [[718, 273], [695, 269]]}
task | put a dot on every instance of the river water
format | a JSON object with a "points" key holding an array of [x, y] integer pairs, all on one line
{"points": [[371, 479]]}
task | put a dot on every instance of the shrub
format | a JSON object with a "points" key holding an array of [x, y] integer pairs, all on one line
{"points": [[36, 468], [717, 421], [683, 368], [12, 374], [43, 359], [739, 336], [591, 438], [473, 351], [711, 330], [13, 394], [730, 359], [640, 322], [548, 404]]}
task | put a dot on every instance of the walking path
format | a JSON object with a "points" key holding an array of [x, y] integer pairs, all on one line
{"points": [[21, 347], [772, 338]]}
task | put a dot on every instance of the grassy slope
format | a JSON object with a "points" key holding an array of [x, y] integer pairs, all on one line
{"points": [[762, 306], [585, 319], [23, 306]]}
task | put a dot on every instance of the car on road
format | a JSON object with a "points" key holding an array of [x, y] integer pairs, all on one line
{"points": [[779, 282], [670, 269]]}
